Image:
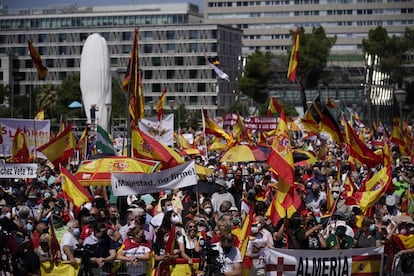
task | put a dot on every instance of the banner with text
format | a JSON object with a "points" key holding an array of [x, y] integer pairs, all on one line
{"points": [[18, 170], [37, 133], [260, 123], [357, 261], [132, 183], [162, 131]]}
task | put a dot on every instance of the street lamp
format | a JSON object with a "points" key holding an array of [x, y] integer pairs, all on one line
{"points": [[121, 73], [400, 97]]}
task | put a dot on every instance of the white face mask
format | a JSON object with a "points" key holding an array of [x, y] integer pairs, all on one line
{"points": [[255, 229], [400, 179], [166, 238], [175, 219], [208, 211], [169, 208], [335, 195]]}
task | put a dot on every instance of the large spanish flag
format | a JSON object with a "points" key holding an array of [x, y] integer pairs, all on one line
{"points": [[74, 191], [146, 147], [294, 57], [59, 149], [37, 61], [273, 107]]}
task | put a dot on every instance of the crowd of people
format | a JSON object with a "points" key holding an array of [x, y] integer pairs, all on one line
{"points": [[206, 225]]}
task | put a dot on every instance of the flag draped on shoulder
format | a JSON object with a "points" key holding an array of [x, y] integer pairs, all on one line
{"points": [[147, 147], [104, 142], [74, 191], [20, 151], [294, 57], [132, 83], [213, 63], [211, 127], [160, 104], [273, 107], [286, 201], [37, 61], [59, 149]]}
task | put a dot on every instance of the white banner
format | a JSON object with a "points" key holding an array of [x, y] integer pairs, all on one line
{"points": [[18, 170], [162, 131], [356, 261], [37, 133], [133, 183]]}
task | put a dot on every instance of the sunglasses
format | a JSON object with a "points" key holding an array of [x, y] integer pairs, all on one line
{"points": [[191, 227]]}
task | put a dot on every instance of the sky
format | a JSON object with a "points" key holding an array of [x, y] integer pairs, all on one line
{"points": [[19, 4]]}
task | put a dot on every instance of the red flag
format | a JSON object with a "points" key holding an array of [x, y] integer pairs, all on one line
{"points": [[20, 150], [37, 61], [330, 103], [244, 237], [60, 148], [273, 107], [147, 147], [133, 83], [161, 104], [294, 57]]}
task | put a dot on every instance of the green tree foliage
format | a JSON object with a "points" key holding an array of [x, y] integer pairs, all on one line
{"points": [[314, 50], [120, 100], [258, 71], [46, 98], [392, 51], [68, 92]]}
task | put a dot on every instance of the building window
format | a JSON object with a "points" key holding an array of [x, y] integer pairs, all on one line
{"points": [[148, 74], [62, 37], [42, 38], [179, 61], [170, 74], [170, 34], [201, 87], [70, 62], [156, 61], [192, 47], [193, 34], [171, 47], [148, 35], [156, 87], [179, 87], [147, 48], [193, 74], [193, 100], [126, 36]]}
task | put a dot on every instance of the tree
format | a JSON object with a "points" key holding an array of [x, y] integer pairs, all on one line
{"points": [[258, 71], [314, 50], [392, 51], [68, 92], [46, 98]]}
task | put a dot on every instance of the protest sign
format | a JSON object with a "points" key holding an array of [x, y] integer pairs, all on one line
{"points": [[18, 170]]}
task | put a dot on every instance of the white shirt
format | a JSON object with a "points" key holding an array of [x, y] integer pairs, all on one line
{"points": [[141, 266], [69, 240], [228, 260]]}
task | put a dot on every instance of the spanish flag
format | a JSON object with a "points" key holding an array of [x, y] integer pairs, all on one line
{"points": [[211, 127], [273, 107], [146, 147], [74, 191], [60, 148], [132, 83], [20, 150], [40, 115], [37, 61], [161, 104], [396, 134], [294, 57]]}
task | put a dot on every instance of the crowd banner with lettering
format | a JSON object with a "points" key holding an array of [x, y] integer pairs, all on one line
{"points": [[260, 123], [37, 133], [348, 262], [162, 131], [176, 177], [229, 120], [18, 170]]}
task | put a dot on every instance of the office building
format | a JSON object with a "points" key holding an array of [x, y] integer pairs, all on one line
{"points": [[173, 43]]}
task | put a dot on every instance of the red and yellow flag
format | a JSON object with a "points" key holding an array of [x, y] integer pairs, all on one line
{"points": [[133, 83], [146, 147], [20, 151], [273, 107], [161, 104], [294, 57], [59, 149], [74, 191], [40, 115], [358, 149], [37, 61], [211, 127], [281, 162]]}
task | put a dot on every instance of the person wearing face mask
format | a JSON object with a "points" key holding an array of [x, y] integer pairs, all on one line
{"points": [[367, 235], [229, 259], [314, 198], [44, 249], [221, 195], [160, 250], [136, 252], [70, 241]]}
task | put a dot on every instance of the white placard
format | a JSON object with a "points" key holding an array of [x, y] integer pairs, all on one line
{"points": [[18, 170]]}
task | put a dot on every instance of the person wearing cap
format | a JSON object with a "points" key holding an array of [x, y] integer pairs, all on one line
{"points": [[221, 195], [391, 206]]}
